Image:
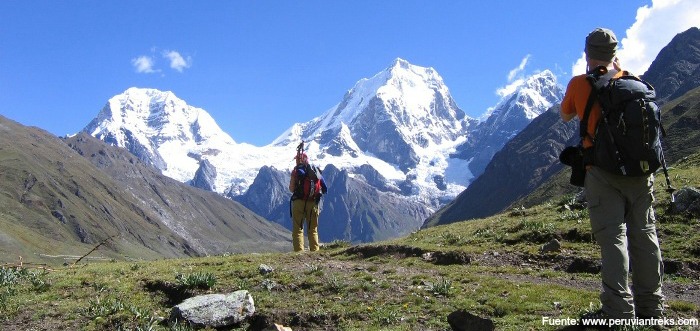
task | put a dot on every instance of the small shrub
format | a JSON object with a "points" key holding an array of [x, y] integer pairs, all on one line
{"points": [[98, 287], [574, 215], [8, 276], [14, 280], [450, 238], [338, 244], [120, 315], [483, 232], [386, 317], [314, 269], [103, 307], [500, 310], [367, 286], [535, 226], [441, 287], [695, 250], [518, 211], [196, 280], [334, 284]]}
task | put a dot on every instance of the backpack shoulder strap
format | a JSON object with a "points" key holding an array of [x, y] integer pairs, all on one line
{"points": [[598, 78], [583, 124]]}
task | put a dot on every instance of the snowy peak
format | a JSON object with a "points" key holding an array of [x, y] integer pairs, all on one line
{"points": [[397, 115], [417, 91], [163, 115], [403, 74], [157, 114], [529, 98], [541, 92], [158, 127], [409, 89], [522, 101]]}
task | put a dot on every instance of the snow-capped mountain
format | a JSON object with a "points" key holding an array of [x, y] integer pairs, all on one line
{"points": [[158, 127], [182, 141], [532, 97], [403, 122], [393, 137], [399, 115]]}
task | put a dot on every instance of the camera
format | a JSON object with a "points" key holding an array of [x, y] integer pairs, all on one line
{"points": [[572, 156]]}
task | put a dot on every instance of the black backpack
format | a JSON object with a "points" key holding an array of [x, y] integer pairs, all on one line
{"points": [[628, 136]]}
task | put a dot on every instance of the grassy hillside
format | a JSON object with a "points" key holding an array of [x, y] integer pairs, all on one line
{"points": [[490, 267], [61, 197]]}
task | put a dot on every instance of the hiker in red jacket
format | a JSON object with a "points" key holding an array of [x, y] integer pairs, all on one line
{"points": [[307, 186]]}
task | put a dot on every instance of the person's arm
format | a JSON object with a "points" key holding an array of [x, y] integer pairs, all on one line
{"points": [[568, 106]]}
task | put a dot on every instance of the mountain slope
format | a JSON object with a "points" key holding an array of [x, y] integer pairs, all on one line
{"points": [[523, 164], [54, 202], [681, 118], [676, 70], [209, 222], [357, 211], [269, 195]]}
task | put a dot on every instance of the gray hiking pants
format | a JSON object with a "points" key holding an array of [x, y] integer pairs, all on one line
{"points": [[623, 224]]}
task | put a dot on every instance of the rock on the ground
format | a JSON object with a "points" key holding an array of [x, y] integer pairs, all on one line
{"points": [[215, 310], [462, 320]]}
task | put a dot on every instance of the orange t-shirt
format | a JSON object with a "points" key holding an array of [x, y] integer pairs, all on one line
{"points": [[575, 101]]}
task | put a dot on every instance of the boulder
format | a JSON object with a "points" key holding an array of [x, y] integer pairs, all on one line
{"points": [[215, 310], [687, 199], [553, 246], [462, 320]]}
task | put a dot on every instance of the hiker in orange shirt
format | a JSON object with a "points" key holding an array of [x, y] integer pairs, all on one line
{"points": [[621, 213]]}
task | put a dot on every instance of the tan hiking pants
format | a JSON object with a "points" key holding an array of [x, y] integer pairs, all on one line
{"points": [[623, 224], [304, 210]]}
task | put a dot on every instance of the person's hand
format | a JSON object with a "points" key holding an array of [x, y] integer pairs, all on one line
{"points": [[616, 64]]}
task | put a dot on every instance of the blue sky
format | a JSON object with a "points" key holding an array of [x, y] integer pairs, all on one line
{"points": [[259, 66]]}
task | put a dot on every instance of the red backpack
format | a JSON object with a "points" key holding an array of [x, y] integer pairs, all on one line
{"points": [[308, 184]]}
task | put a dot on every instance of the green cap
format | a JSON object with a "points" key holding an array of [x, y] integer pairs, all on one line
{"points": [[601, 44]]}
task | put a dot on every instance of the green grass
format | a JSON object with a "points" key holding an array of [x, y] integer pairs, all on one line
{"points": [[392, 285]]}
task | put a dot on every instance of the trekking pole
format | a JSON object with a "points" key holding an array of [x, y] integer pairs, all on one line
{"points": [[669, 188], [300, 151]]}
